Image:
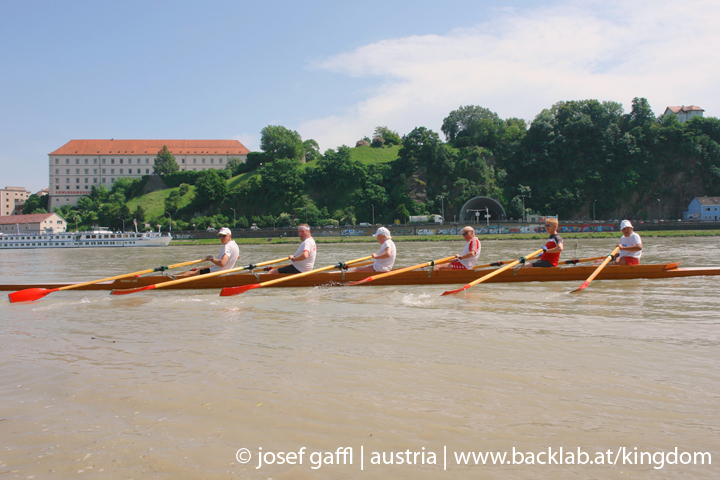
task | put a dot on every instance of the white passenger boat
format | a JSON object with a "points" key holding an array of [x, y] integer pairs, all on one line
{"points": [[98, 238]]}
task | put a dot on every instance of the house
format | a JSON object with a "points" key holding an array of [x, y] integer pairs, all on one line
{"points": [[79, 164], [12, 200], [703, 208], [684, 112], [35, 223]]}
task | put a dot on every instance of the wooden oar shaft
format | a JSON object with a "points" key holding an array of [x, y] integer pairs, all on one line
{"points": [[598, 270], [310, 272], [116, 277], [502, 269], [217, 274], [402, 270], [493, 273]]}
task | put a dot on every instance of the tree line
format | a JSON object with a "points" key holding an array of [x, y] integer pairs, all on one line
{"points": [[574, 156]]}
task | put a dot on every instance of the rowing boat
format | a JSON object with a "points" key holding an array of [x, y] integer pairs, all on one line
{"points": [[416, 277]]}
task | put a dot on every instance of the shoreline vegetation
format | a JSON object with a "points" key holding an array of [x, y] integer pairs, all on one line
{"points": [[445, 238]]}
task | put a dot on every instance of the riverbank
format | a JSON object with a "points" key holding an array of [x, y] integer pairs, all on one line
{"points": [[445, 238]]}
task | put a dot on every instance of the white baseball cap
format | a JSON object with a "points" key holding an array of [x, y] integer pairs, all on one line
{"points": [[224, 231], [382, 231], [625, 224]]}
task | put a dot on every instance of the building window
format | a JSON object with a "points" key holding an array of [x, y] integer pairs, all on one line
{"points": [[112, 171], [112, 180], [147, 160], [77, 161], [94, 180], [94, 171], [67, 180], [77, 180], [147, 170], [194, 160], [57, 180], [56, 161], [77, 171], [203, 160], [67, 161], [112, 160], [121, 168], [86, 180], [57, 171], [182, 161], [103, 180], [86, 171], [103, 170], [94, 161], [86, 161], [121, 160], [219, 160]]}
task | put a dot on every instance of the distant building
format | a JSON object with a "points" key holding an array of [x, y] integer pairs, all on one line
{"points": [[36, 223], [684, 112], [79, 164], [703, 208], [13, 199]]}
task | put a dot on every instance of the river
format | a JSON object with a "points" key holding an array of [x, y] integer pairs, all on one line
{"points": [[174, 384]]}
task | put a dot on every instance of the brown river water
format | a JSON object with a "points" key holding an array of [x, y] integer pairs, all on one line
{"points": [[337, 382]]}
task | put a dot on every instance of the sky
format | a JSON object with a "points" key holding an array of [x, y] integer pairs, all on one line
{"points": [[333, 71]]}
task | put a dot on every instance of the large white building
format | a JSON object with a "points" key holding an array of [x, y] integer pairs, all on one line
{"points": [[79, 164], [13, 199]]}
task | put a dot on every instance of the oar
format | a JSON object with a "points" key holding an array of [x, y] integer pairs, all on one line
{"points": [[401, 270], [126, 291], [32, 294], [228, 291], [494, 272], [574, 261], [597, 271]]}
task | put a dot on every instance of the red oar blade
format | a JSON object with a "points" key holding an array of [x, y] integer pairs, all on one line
{"points": [[453, 292], [126, 291], [581, 287], [359, 282], [230, 291], [30, 294]]}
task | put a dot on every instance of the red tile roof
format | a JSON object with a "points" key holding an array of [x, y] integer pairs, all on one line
{"points": [[685, 108], [151, 147], [34, 218]]}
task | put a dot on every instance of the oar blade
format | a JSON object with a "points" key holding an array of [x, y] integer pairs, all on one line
{"points": [[581, 287], [359, 282], [126, 291], [30, 294], [453, 292], [230, 291]]}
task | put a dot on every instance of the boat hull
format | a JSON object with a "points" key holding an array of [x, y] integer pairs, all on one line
{"points": [[416, 277]]}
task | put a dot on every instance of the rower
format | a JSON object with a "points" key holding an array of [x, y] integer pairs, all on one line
{"points": [[304, 258], [229, 254], [469, 256], [553, 247], [630, 245], [384, 259]]}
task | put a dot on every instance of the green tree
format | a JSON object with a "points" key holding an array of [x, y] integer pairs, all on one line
{"points": [[312, 150], [165, 162], [210, 189], [279, 142], [35, 204], [234, 165], [139, 214], [389, 137]]}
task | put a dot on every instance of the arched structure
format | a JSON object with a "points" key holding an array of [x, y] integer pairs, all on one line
{"points": [[479, 204]]}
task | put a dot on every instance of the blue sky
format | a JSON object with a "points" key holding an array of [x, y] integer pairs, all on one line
{"points": [[333, 71]]}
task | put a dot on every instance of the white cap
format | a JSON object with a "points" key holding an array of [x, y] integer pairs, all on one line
{"points": [[224, 231], [625, 224], [382, 231]]}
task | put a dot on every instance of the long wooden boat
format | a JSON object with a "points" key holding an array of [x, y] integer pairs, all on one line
{"points": [[416, 277]]}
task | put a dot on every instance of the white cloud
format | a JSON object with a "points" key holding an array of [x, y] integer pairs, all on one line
{"points": [[520, 62]]}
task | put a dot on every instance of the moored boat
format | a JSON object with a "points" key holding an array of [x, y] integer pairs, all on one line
{"points": [[96, 238], [416, 277]]}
